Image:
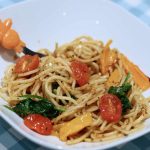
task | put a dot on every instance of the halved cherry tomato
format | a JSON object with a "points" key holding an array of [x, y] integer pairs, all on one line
{"points": [[27, 63], [80, 72], [38, 123], [110, 108]]}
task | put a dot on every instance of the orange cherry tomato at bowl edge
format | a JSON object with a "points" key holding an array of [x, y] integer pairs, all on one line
{"points": [[110, 108], [26, 63], [80, 72], [38, 123]]}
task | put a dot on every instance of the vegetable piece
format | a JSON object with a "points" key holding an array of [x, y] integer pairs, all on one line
{"points": [[27, 63], [127, 78], [32, 104], [38, 123], [74, 126], [107, 58], [139, 77], [114, 79], [80, 72], [121, 92], [110, 108]]}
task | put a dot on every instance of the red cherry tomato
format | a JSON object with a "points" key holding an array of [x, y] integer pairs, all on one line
{"points": [[80, 72], [38, 123], [26, 63], [110, 108]]}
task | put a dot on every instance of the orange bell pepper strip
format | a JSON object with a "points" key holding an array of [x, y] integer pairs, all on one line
{"points": [[138, 76], [107, 58]]}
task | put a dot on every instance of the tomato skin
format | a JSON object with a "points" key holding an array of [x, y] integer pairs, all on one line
{"points": [[26, 63], [110, 108], [80, 72], [38, 123]]}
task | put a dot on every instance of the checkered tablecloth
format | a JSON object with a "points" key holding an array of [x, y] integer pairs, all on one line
{"points": [[12, 140]]}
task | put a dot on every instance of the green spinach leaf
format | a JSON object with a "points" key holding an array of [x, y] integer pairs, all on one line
{"points": [[121, 92], [32, 104]]}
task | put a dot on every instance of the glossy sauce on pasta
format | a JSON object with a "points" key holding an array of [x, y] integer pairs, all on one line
{"points": [[82, 120]]}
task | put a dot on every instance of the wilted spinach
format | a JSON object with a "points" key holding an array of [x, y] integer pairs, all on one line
{"points": [[121, 92], [32, 104]]}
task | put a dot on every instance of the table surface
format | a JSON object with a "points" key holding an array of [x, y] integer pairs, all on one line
{"points": [[12, 140]]}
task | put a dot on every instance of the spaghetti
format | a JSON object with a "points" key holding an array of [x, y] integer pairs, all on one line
{"points": [[53, 79]]}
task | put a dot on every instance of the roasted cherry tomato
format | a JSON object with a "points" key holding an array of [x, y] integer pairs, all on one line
{"points": [[80, 72], [110, 108], [26, 63], [38, 123]]}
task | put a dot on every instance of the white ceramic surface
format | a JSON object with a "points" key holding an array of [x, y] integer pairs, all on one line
{"points": [[41, 23]]}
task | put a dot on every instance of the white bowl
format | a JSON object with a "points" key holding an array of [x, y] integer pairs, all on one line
{"points": [[42, 23]]}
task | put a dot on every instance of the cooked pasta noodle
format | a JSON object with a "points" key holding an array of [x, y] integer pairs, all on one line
{"points": [[55, 69]]}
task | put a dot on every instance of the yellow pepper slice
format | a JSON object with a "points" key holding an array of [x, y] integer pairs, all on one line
{"points": [[107, 58], [74, 126], [114, 79]]}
